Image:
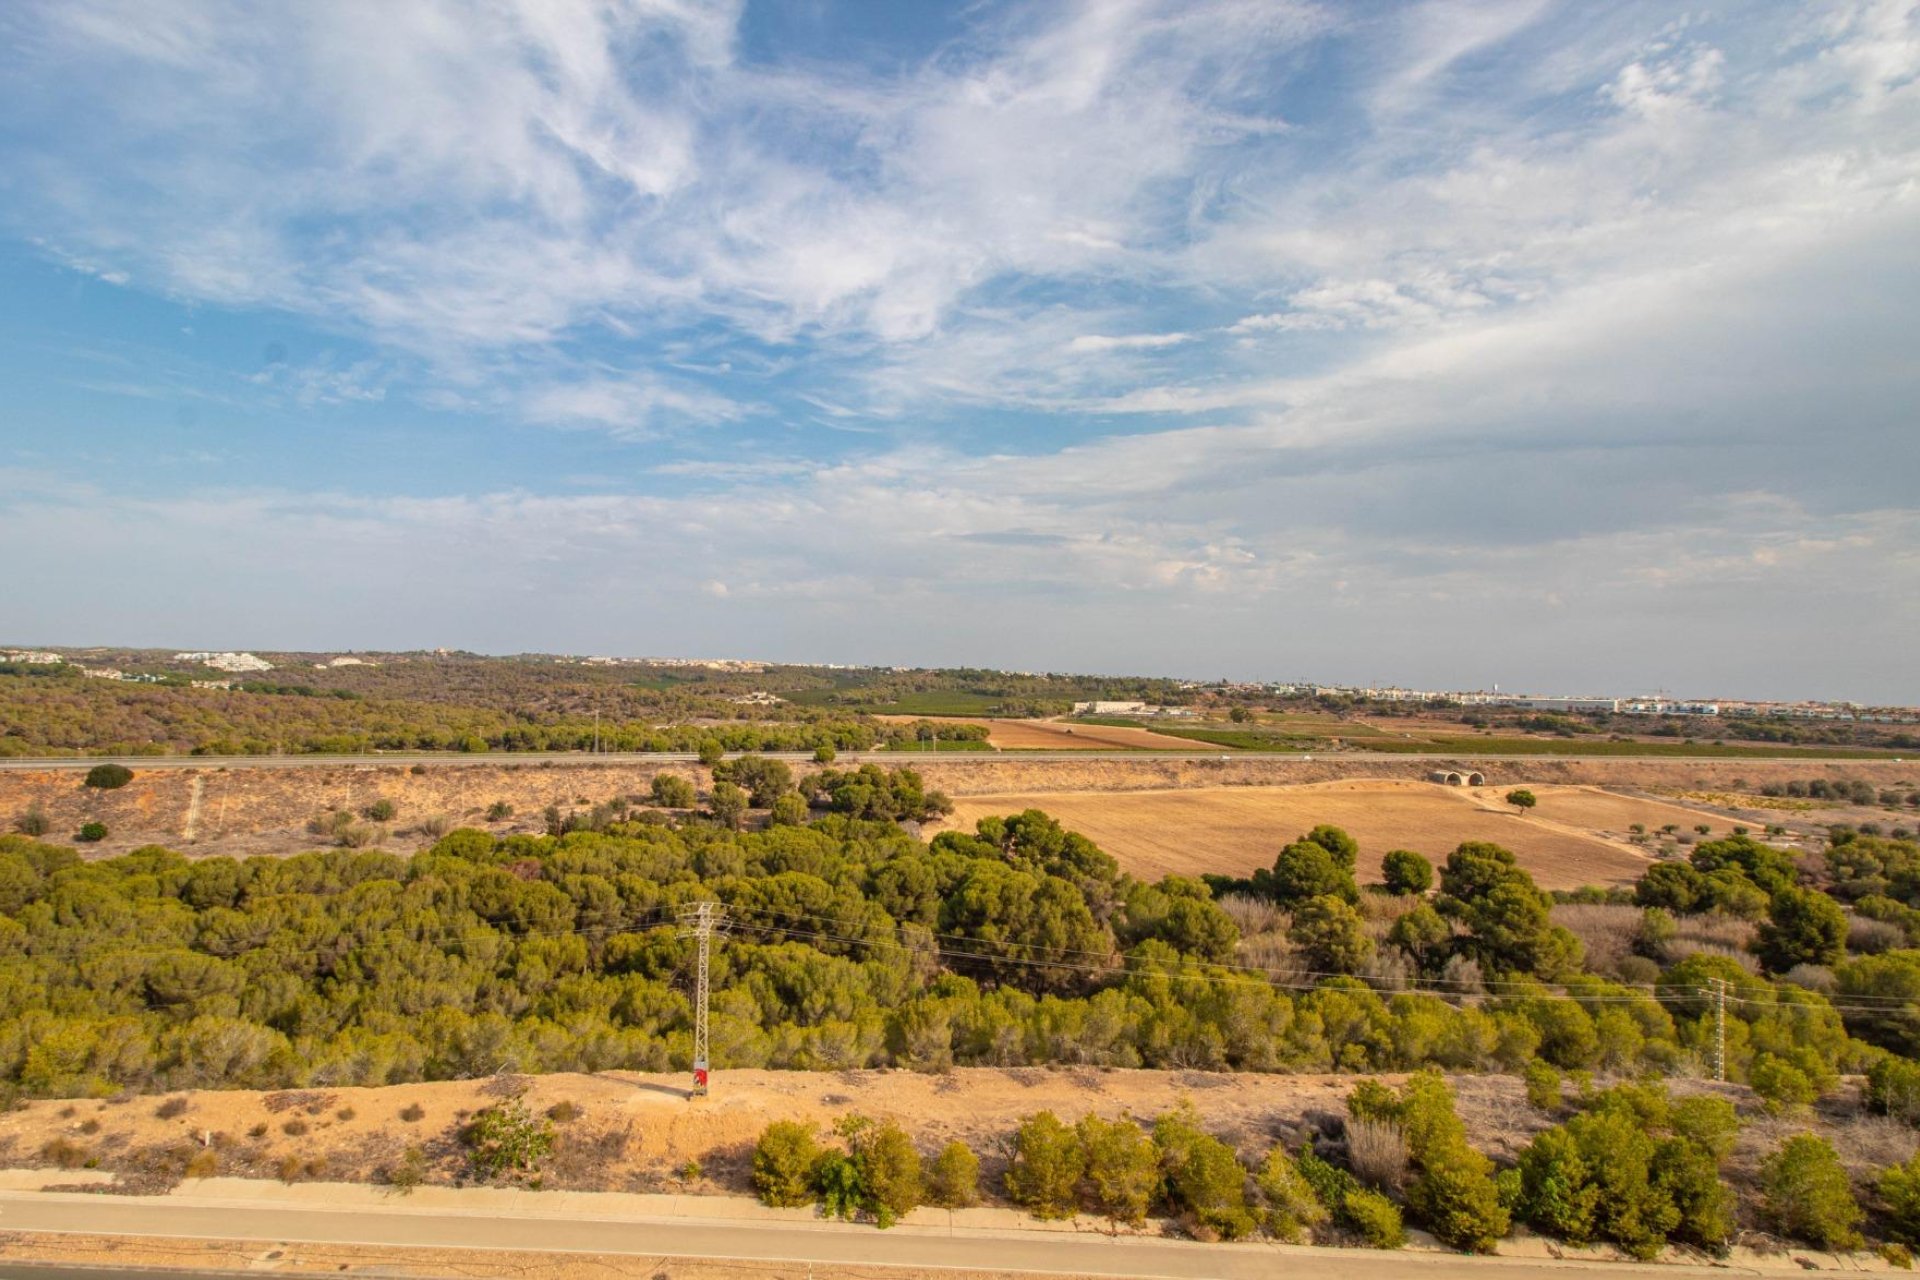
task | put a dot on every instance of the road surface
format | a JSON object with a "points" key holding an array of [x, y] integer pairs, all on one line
{"points": [[822, 1243]]}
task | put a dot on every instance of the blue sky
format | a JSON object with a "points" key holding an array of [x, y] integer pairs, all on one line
{"points": [[1563, 345]]}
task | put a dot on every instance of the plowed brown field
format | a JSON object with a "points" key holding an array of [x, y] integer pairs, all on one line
{"points": [[1232, 830]]}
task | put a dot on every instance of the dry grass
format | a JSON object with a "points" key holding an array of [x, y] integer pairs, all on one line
{"points": [[1377, 1153], [1610, 932], [1252, 915], [1714, 934], [1234, 830]]}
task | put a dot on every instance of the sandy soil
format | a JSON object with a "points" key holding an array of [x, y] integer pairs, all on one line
{"points": [[636, 1132], [1232, 830]]}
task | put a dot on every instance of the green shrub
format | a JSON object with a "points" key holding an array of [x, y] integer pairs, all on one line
{"points": [[1045, 1166], [1893, 1088], [783, 1164], [1592, 1178], [1543, 1086], [108, 777], [953, 1180], [379, 811], [1806, 1195], [1780, 1085], [825, 754], [91, 832], [1375, 1219], [1406, 872], [1456, 1199], [1803, 926], [889, 1168], [1368, 1214], [1706, 1121], [1122, 1167], [507, 1138], [1330, 934], [499, 811], [836, 1179], [1290, 1203], [1899, 1187], [1688, 1174], [1204, 1176], [33, 822], [672, 792]]}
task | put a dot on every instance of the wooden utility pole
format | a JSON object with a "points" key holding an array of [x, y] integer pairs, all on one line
{"points": [[699, 920]]}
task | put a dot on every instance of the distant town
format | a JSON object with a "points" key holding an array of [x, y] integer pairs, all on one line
{"points": [[244, 663]]}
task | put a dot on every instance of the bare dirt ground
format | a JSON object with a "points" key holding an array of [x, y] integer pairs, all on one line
{"points": [[1233, 830], [242, 811]]}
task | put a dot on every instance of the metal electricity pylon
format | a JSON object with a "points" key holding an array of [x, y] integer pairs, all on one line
{"points": [[699, 920]]}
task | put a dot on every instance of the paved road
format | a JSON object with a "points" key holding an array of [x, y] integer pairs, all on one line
{"points": [[459, 759], [826, 1244]]}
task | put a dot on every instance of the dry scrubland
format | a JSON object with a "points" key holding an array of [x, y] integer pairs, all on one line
{"points": [[241, 811], [632, 1132], [636, 1132]]}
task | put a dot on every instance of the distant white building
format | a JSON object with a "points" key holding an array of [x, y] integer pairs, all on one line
{"points": [[1128, 709], [38, 657], [234, 662], [1667, 707]]}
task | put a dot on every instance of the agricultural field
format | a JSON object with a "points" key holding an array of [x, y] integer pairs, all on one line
{"points": [[1077, 735], [1575, 837]]}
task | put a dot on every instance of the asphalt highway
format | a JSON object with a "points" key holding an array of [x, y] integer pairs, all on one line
{"points": [[822, 1244]]}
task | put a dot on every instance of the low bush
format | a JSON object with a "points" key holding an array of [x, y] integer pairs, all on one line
{"points": [[91, 832], [108, 777], [1291, 1207], [64, 1153], [888, 1166], [1893, 1088], [1543, 1086], [1122, 1167], [1044, 1167], [1806, 1194], [953, 1179], [507, 1139], [783, 1164], [1204, 1178], [170, 1108]]}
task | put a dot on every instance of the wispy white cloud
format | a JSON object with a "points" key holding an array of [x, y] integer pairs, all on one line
{"points": [[1207, 309]]}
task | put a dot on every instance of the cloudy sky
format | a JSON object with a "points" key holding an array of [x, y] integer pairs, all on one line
{"points": [[1571, 346]]}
